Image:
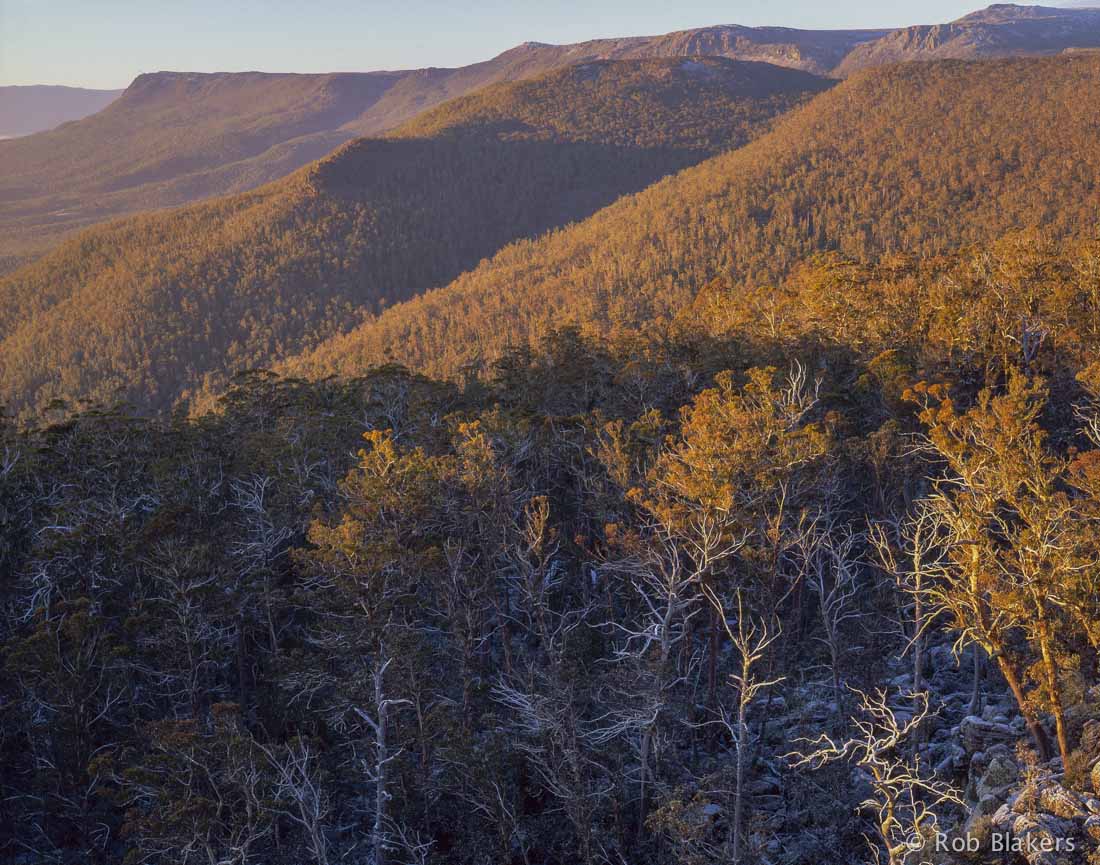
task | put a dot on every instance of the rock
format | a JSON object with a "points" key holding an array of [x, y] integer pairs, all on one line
{"points": [[997, 779], [767, 803], [766, 785], [978, 734], [933, 724], [1091, 803], [987, 806], [949, 764], [1003, 816], [1092, 828], [1041, 837], [1090, 738], [1096, 778], [1026, 801], [1057, 800]]}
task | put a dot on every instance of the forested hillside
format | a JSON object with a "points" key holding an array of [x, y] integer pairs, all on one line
{"points": [[808, 578], [175, 137], [152, 307], [171, 138], [918, 158]]}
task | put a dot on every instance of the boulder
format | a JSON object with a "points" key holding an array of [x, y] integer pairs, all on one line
{"points": [[950, 758], [1042, 837], [1057, 800], [997, 779], [1090, 739], [978, 734]]}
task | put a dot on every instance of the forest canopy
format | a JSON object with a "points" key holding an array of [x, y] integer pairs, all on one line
{"points": [[580, 607], [157, 307]]}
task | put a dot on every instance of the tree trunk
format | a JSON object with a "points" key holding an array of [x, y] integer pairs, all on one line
{"points": [[1038, 734], [739, 780], [1054, 690], [646, 739], [976, 684], [712, 669]]}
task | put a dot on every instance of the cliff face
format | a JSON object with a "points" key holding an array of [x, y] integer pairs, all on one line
{"points": [[1001, 30]]}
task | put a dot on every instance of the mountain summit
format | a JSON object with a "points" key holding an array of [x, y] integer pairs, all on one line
{"points": [[1001, 30]]}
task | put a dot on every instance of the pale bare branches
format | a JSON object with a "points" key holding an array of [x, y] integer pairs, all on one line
{"points": [[904, 799]]}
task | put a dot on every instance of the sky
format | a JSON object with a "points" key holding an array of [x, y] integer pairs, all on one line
{"points": [[106, 43]]}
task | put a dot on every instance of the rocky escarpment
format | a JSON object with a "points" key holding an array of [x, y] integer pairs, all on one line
{"points": [[999, 31]]}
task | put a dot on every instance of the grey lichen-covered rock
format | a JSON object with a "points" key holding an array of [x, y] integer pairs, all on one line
{"points": [[1048, 824], [1042, 837], [977, 734], [994, 785], [1057, 800], [1090, 739], [998, 778], [1026, 801], [948, 758]]}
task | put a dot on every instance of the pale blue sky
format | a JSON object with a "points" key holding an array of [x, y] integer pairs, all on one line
{"points": [[105, 43]]}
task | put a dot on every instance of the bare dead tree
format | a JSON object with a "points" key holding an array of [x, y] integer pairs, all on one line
{"points": [[301, 797], [752, 640], [904, 799], [829, 559], [668, 597], [558, 747], [910, 550], [378, 770], [263, 541]]}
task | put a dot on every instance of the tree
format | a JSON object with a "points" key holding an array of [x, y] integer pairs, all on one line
{"points": [[752, 640], [903, 797], [1013, 539]]}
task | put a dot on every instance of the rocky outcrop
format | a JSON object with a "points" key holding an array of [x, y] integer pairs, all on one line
{"points": [[999, 31], [1048, 824]]}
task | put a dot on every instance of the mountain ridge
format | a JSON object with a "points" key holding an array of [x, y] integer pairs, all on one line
{"points": [[843, 172], [158, 302], [997, 31], [114, 162]]}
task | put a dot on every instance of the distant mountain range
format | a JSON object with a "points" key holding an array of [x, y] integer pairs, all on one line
{"points": [[38, 107], [176, 137], [173, 138]]}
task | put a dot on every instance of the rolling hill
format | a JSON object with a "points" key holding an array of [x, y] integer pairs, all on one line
{"points": [[913, 158], [154, 306], [35, 108], [171, 138]]}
